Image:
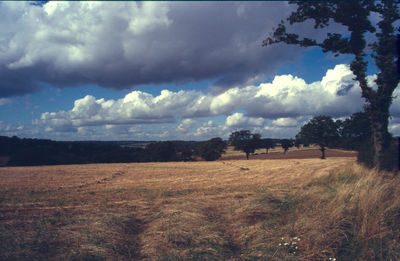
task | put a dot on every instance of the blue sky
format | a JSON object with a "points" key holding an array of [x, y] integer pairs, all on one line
{"points": [[164, 70]]}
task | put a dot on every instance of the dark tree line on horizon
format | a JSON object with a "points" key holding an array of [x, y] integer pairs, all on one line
{"points": [[353, 133]]}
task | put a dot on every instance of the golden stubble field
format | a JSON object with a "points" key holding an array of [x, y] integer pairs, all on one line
{"points": [[169, 175], [222, 210]]}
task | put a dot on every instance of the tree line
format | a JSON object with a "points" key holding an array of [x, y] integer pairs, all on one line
{"points": [[16, 151], [353, 133]]}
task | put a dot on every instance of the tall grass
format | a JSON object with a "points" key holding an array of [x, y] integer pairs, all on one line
{"points": [[352, 213]]}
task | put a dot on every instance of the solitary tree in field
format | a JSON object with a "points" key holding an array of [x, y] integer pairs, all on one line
{"points": [[321, 130], [245, 141], [286, 144], [268, 144], [212, 149], [355, 15]]}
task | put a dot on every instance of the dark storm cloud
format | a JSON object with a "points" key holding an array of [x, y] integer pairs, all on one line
{"points": [[120, 45]]}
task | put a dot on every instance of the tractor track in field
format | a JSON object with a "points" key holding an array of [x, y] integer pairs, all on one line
{"points": [[234, 166], [97, 182]]}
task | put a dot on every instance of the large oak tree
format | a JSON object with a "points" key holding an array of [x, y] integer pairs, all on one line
{"points": [[321, 130], [355, 16], [245, 141]]}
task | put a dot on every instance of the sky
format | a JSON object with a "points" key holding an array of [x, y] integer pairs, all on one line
{"points": [[165, 71]]}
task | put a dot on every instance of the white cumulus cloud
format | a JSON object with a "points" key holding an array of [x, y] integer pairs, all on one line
{"points": [[240, 120], [277, 107], [285, 122], [186, 124], [135, 108]]}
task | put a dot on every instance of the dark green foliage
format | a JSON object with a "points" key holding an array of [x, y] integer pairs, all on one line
{"points": [[212, 149], [30, 152], [161, 151], [297, 142], [268, 144], [186, 150], [245, 141], [354, 16], [356, 134], [355, 131], [286, 144], [321, 130], [390, 160]]}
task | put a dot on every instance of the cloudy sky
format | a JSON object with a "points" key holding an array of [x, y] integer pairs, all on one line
{"points": [[164, 70]]}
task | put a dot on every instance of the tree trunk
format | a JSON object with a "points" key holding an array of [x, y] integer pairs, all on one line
{"points": [[377, 148], [323, 151], [379, 138]]}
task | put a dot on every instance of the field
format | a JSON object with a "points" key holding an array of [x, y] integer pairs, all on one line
{"points": [[281, 209], [293, 153]]}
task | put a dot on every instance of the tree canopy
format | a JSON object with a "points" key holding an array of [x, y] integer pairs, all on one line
{"points": [[245, 141], [286, 144], [355, 16], [321, 130], [212, 149], [268, 144], [355, 131]]}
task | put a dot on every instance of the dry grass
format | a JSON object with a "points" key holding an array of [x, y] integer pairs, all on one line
{"points": [[225, 210]]}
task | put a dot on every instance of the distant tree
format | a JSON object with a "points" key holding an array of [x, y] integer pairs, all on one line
{"points": [[186, 154], [212, 149], [161, 151], [286, 144], [297, 142], [357, 17], [268, 144], [245, 141], [321, 130], [185, 150]]}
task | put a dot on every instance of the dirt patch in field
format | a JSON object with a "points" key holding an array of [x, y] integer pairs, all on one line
{"points": [[300, 154]]}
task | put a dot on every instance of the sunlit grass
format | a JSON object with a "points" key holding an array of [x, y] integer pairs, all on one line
{"points": [[226, 210]]}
